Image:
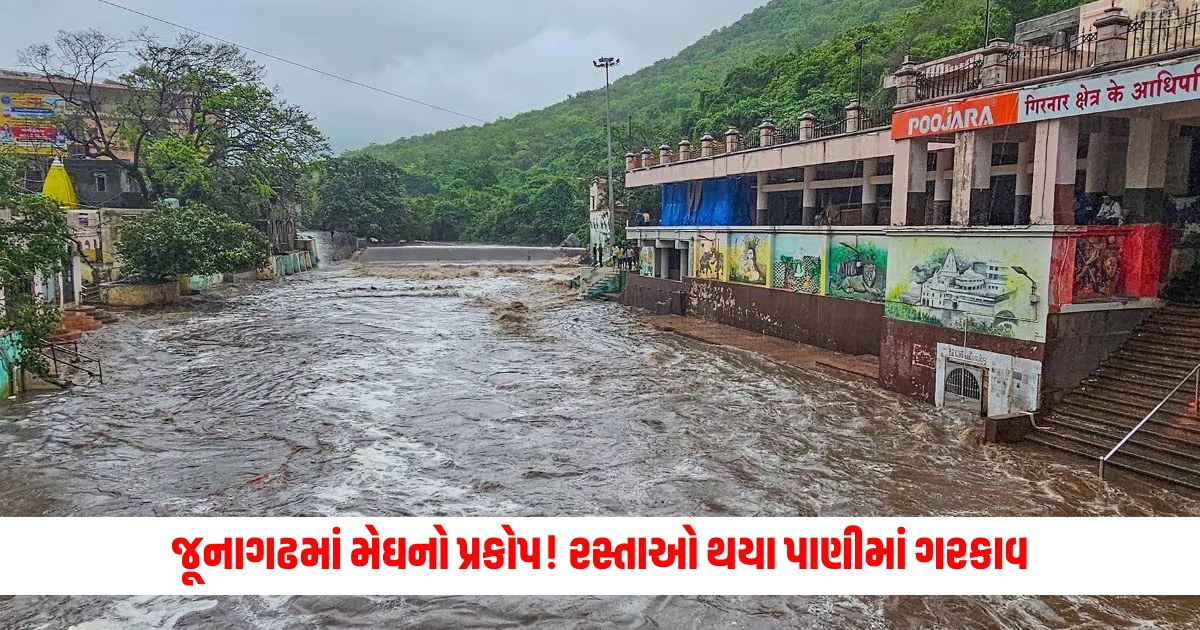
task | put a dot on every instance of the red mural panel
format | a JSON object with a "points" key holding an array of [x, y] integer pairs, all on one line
{"points": [[1096, 263]]}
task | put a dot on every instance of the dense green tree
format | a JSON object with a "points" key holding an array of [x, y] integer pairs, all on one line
{"points": [[189, 240], [364, 195]]}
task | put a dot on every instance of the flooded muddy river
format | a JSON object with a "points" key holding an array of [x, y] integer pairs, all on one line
{"points": [[484, 393]]}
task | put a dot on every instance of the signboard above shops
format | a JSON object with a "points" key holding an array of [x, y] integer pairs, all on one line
{"points": [[993, 110], [1141, 87]]}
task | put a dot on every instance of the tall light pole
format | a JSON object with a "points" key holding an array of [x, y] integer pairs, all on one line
{"points": [[987, 22], [859, 46], [607, 63]]}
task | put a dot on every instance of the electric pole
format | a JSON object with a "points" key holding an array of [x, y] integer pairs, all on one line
{"points": [[607, 63]]}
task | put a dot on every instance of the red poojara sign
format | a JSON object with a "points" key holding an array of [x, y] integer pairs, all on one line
{"points": [[970, 114]]}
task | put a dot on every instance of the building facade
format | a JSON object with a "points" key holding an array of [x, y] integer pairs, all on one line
{"points": [[962, 237]]}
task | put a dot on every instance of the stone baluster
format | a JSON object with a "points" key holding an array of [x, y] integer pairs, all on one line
{"points": [[906, 82], [685, 150], [630, 161], [808, 125], [766, 133], [995, 63], [1112, 36], [664, 154], [854, 117], [646, 155], [733, 140], [706, 146]]}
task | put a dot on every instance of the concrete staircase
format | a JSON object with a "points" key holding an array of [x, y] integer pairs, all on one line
{"points": [[77, 320], [1091, 420]]}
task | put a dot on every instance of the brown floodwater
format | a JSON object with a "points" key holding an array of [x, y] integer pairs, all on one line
{"points": [[485, 393]]}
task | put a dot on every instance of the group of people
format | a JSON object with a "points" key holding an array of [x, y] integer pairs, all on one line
{"points": [[623, 258]]}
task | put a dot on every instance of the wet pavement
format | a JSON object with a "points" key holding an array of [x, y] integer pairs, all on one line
{"points": [[485, 393]]}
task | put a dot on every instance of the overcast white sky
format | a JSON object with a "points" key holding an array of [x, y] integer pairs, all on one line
{"points": [[488, 58]]}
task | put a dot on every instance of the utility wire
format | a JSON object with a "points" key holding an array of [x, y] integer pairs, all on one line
{"points": [[290, 62]]}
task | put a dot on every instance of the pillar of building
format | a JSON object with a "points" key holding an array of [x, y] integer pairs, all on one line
{"points": [[854, 117], [809, 208], [1146, 170], [870, 198], [760, 204], [662, 262], [1179, 165], [938, 212], [646, 155], [1055, 150], [909, 172], [971, 200], [1096, 177], [1024, 185], [664, 154], [1112, 35], [630, 161], [906, 82], [808, 125], [685, 150], [706, 146], [766, 133]]}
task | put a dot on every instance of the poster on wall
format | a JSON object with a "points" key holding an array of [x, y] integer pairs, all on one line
{"points": [[858, 267], [797, 263], [708, 255], [986, 286], [749, 258], [27, 123]]}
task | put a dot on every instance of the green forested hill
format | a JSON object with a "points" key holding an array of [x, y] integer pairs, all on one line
{"points": [[523, 179]]}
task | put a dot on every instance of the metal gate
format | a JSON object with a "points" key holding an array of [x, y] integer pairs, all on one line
{"points": [[964, 387]]}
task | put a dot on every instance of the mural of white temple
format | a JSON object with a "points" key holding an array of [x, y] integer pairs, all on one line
{"points": [[979, 289]]}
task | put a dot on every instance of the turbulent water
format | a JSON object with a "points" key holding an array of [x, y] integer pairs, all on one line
{"points": [[339, 393]]}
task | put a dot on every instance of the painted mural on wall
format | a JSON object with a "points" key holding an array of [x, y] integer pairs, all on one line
{"points": [[797, 263], [858, 267], [708, 255], [987, 286], [749, 258], [646, 261], [1097, 267]]}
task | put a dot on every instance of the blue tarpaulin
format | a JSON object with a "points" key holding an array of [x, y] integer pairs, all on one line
{"points": [[712, 202]]}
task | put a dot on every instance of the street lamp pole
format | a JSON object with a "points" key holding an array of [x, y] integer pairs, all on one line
{"points": [[987, 22], [860, 45], [607, 63]]}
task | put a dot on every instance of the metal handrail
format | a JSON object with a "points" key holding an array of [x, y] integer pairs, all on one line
{"points": [[1194, 374], [80, 359]]}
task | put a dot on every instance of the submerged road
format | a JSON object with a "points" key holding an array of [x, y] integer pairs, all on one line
{"points": [[339, 393]]}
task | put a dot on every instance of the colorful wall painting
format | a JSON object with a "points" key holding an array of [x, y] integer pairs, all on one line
{"points": [[993, 286], [749, 258], [646, 261], [857, 267], [798, 263], [708, 255], [1100, 263]]}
